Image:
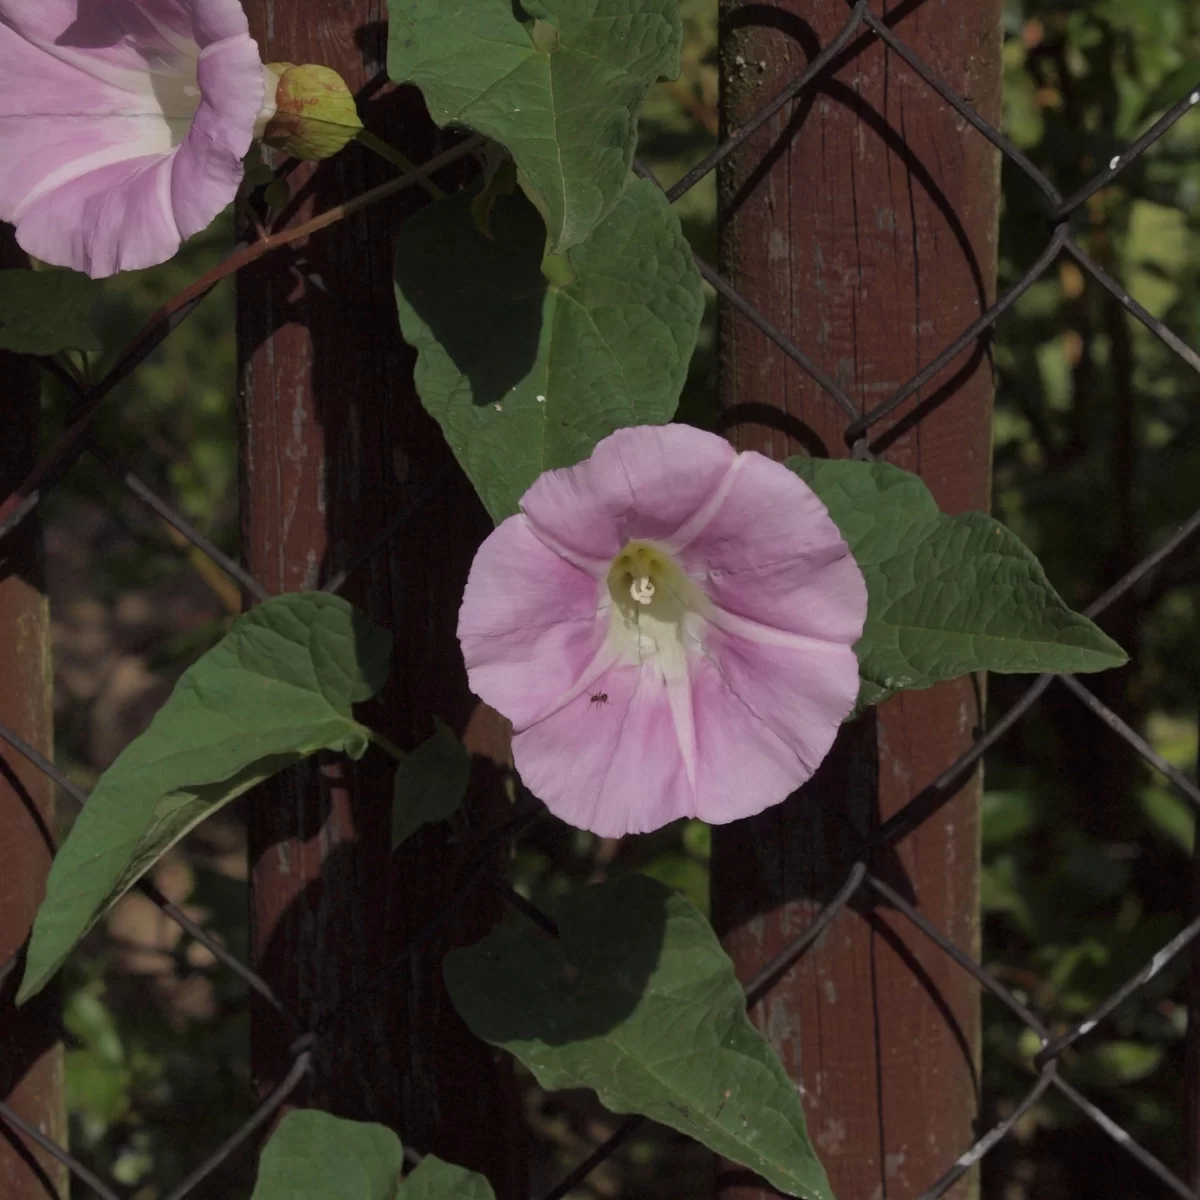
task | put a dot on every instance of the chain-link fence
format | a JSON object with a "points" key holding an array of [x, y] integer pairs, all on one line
{"points": [[860, 23]]}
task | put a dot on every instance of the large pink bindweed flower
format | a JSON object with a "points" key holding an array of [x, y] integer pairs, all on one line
{"points": [[123, 124], [669, 626]]}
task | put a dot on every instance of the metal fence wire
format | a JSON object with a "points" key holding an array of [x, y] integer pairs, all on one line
{"points": [[76, 441]]}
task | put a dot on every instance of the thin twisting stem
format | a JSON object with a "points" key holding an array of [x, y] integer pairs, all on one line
{"points": [[387, 744], [392, 155]]}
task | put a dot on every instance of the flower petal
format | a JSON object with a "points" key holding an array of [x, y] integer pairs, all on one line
{"points": [[125, 33], [208, 166], [619, 766], [742, 765], [213, 20], [531, 624], [800, 692], [642, 482], [117, 218], [57, 122], [93, 107], [770, 552], [118, 42], [613, 767]]}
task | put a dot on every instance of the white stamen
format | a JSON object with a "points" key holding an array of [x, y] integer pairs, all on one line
{"points": [[642, 590]]}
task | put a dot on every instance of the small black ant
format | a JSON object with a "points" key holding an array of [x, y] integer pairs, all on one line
{"points": [[598, 698]]}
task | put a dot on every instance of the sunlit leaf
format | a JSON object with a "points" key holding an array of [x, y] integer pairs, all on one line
{"points": [[946, 595], [558, 82], [277, 688], [639, 1002], [527, 362]]}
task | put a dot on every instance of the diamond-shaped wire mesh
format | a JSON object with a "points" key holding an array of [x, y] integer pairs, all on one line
{"points": [[77, 441]]}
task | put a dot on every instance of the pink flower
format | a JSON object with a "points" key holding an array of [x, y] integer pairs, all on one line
{"points": [[670, 628], [123, 124]]}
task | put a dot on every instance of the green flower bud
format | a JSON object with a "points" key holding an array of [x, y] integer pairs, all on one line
{"points": [[315, 115]]}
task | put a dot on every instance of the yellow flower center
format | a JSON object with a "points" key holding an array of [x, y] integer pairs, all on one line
{"points": [[643, 577], [652, 602]]}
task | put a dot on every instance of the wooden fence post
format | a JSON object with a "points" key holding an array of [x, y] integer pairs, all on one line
{"points": [[31, 1057], [862, 221], [334, 445]]}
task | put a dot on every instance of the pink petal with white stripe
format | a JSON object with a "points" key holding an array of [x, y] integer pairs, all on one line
{"points": [[530, 625], [613, 766], [123, 127], [765, 547], [631, 487]]}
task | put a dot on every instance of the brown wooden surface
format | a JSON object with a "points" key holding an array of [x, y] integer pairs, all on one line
{"points": [[334, 444], [31, 1064], [862, 221]]}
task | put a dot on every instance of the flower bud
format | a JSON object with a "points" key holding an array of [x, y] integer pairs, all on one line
{"points": [[315, 115]]}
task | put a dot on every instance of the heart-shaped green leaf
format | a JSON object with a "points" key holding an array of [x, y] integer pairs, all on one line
{"points": [[315, 1156], [639, 1002], [559, 82], [437, 1180], [946, 595], [526, 362], [277, 688]]}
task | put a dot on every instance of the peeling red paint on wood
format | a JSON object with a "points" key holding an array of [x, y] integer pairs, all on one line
{"points": [[31, 1062], [869, 237], [328, 409]]}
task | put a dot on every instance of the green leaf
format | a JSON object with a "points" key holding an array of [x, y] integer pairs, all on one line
{"points": [[277, 688], [437, 1180], [430, 783], [43, 312], [315, 1156], [525, 362], [639, 1002], [946, 595], [559, 82]]}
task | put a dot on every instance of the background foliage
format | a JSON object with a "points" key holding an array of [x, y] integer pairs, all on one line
{"points": [[1086, 853]]}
